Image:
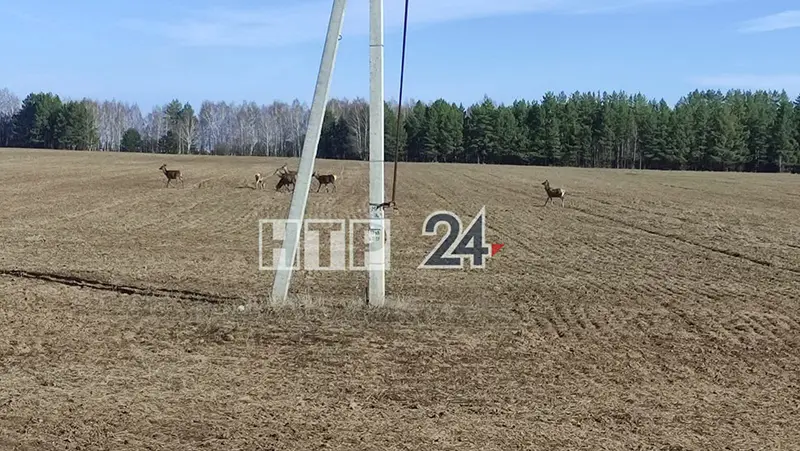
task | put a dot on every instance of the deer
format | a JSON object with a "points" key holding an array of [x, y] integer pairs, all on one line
{"points": [[286, 177], [553, 192], [282, 170], [172, 174], [259, 180], [325, 179]]}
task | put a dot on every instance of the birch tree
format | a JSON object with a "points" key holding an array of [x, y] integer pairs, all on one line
{"points": [[186, 128], [10, 104], [357, 117]]}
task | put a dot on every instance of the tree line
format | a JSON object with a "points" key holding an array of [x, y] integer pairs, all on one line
{"points": [[705, 130]]}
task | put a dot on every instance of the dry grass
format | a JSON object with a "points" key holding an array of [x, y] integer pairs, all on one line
{"points": [[657, 310]]}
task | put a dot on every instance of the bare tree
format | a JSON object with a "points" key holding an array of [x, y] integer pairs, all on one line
{"points": [[187, 128], [9, 105], [283, 123], [155, 127], [209, 119], [297, 123], [268, 129], [336, 107], [247, 122], [9, 102], [112, 119], [220, 127], [357, 117]]}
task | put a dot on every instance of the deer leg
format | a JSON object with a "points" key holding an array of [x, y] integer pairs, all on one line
{"points": [[562, 201], [545, 202], [319, 187]]}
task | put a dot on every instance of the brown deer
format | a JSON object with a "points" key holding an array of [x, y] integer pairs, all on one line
{"points": [[173, 174], [553, 192], [283, 170], [325, 179], [286, 178]]}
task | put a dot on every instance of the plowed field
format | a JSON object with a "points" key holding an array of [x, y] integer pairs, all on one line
{"points": [[655, 310]]}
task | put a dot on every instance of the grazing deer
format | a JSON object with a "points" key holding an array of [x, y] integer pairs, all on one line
{"points": [[259, 180], [553, 192], [286, 178], [325, 179], [173, 174]]}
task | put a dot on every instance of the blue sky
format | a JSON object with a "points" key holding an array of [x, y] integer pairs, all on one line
{"points": [[152, 51]]}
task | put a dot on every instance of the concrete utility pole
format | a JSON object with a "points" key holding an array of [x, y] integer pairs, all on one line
{"points": [[291, 237], [377, 254]]}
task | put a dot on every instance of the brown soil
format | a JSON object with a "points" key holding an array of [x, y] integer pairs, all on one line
{"points": [[656, 310]]}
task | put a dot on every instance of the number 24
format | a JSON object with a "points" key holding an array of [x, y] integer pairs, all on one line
{"points": [[449, 254]]}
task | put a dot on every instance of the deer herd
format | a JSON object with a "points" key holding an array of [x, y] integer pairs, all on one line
{"points": [[287, 177]]}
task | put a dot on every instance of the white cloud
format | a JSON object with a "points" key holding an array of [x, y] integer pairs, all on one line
{"points": [[778, 82], [774, 22], [306, 20]]}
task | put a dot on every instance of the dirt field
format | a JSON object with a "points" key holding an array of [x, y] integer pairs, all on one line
{"points": [[656, 310]]}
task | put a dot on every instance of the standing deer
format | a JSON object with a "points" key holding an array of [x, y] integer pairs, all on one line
{"points": [[325, 179], [553, 192], [173, 174], [259, 180]]}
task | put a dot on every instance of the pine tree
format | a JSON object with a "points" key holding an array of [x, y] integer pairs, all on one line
{"points": [[416, 129], [35, 124], [551, 129], [131, 141], [782, 143], [76, 129], [392, 136], [480, 136]]}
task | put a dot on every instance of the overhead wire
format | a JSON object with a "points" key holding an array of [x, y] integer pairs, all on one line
{"points": [[392, 203]]}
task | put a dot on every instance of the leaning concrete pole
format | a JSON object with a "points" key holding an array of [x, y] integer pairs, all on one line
{"points": [[377, 255], [291, 237]]}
